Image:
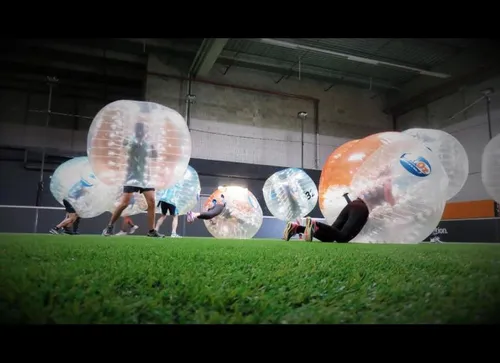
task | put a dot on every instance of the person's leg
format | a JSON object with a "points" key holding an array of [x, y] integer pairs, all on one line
{"points": [[357, 216], [60, 228], [172, 209], [123, 228], [291, 229], [149, 194], [175, 222], [69, 218], [131, 224], [342, 218], [164, 211], [160, 221], [76, 224], [212, 213], [124, 202]]}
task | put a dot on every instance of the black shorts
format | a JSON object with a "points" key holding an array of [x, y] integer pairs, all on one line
{"points": [[69, 208], [167, 207], [129, 189]]}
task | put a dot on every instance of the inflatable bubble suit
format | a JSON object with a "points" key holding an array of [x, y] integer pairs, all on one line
{"points": [[137, 205], [140, 144], [242, 217], [74, 181], [185, 194], [418, 183], [340, 167], [490, 168], [290, 194], [450, 152]]}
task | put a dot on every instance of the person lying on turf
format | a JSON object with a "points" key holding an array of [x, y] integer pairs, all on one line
{"points": [[350, 221]]}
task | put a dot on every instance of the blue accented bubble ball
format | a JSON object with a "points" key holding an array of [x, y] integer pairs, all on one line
{"points": [[404, 185], [75, 181], [450, 152], [185, 194], [141, 144], [290, 194]]}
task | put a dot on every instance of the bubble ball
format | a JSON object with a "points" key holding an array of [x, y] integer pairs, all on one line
{"points": [[75, 181], [185, 194], [339, 168], [417, 181], [137, 205], [450, 152], [290, 194], [242, 217], [141, 144], [490, 168]]}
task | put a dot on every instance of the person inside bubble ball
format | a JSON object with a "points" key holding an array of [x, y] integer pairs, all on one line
{"points": [[77, 191], [138, 173], [216, 208], [350, 221]]}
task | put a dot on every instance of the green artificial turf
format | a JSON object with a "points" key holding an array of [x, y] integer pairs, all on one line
{"points": [[93, 279]]}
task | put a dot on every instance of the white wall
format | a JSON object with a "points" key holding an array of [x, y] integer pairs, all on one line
{"points": [[228, 124], [236, 125], [469, 127]]}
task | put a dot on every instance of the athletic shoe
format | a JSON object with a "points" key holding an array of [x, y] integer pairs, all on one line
{"points": [[133, 229], [175, 235], [310, 228], [154, 233], [108, 231], [121, 233], [290, 230], [67, 231], [190, 218], [56, 230]]}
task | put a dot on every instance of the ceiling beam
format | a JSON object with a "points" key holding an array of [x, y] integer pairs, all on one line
{"points": [[308, 71], [207, 55], [473, 65], [353, 58]]}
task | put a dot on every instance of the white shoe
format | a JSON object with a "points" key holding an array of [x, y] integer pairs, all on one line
{"points": [[133, 229], [175, 235], [121, 233]]}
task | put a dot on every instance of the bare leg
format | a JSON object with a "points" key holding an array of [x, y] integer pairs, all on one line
{"points": [[175, 221], [150, 199], [125, 200], [70, 219], [124, 225], [160, 221]]}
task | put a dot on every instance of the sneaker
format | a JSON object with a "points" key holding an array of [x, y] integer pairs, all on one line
{"points": [[56, 230], [290, 231], [154, 233], [108, 231], [310, 228], [121, 233], [133, 229], [66, 231], [190, 218], [175, 235]]}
